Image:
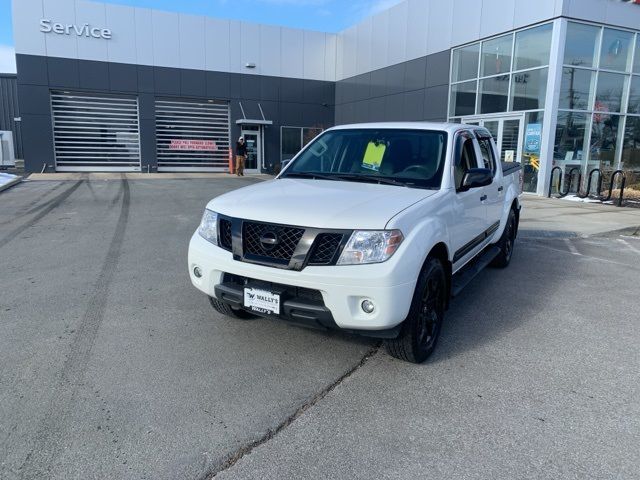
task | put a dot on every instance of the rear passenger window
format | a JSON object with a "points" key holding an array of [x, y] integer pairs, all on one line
{"points": [[466, 161], [488, 159]]}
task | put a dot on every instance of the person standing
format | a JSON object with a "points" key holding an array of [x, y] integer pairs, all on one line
{"points": [[241, 156]]}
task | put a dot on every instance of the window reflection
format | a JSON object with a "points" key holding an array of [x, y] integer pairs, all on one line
{"points": [[615, 53], [576, 88], [581, 44], [532, 47], [604, 136], [463, 99], [609, 92], [465, 63], [528, 89], [631, 145], [496, 56], [494, 94]]}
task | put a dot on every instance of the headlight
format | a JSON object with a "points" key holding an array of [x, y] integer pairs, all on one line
{"points": [[370, 246], [208, 228]]}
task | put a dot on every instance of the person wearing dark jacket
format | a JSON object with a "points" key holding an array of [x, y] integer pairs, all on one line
{"points": [[241, 156]]}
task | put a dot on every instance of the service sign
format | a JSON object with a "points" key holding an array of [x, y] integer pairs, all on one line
{"points": [[188, 144]]}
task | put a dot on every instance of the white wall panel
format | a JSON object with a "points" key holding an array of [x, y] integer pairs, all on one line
{"points": [[496, 17], [313, 60], [466, 27], [192, 40], [623, 14], [340, 56], [217, 44], [250, 47], [330, 57], [235, 46], [144, 36], [269, 61], [398, 18], [380, 40], [122, 22], [26, 27], [418, 18], [527, 12], [363, 46], [95, 15], [166, 44], [440, 26], [349, 52], [292, 48], [60, 45]]}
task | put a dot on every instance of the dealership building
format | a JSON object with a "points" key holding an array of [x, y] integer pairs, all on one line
{"points": [[105, 87]]}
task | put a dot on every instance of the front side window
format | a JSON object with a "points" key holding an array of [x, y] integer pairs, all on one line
{"points": [[487, 154], [413, 158], [465, 161]]}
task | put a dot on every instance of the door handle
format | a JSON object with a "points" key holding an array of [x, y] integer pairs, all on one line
{"points": [[500, 189], [483, 198]]}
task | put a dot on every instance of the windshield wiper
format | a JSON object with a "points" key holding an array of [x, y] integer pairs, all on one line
{"points": [[319, 176], [371, 178]]}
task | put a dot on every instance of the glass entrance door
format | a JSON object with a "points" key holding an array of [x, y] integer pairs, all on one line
{"points": [[253, 140], [508, 132]]}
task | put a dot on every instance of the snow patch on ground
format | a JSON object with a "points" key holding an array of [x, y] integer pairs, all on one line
{"points": [[7, 178]]}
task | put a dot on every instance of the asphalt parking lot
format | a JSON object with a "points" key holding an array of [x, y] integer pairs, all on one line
{"points": [[113, 366]]}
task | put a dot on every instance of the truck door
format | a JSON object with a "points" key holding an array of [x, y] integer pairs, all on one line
{"points": [[469, 209], [495, 192]]}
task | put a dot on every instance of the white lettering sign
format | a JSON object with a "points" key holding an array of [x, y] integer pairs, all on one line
{"points": [[84, 30]]}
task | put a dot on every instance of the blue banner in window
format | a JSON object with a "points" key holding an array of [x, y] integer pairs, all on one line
{"points": [[532, 138]]}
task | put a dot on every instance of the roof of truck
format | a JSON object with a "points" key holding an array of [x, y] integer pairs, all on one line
{"points": [[444, 126]]}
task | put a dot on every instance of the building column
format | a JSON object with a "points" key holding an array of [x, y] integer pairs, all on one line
{"points": [[552, 101], [147, 114]]}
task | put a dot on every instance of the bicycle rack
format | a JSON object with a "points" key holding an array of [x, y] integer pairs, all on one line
{"points": [[622, 184], [562, 194], [553, 170], [586, 193]]}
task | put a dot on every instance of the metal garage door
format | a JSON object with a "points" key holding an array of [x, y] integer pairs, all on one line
{"points": [[192, 136], [95, 132]]}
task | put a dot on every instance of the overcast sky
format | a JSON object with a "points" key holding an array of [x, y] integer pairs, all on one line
{"points": [[322, 15]]}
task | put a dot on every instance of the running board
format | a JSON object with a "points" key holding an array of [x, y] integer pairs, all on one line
{"points": [[462, 278]]}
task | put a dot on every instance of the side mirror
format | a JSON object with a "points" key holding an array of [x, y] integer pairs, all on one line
{"points": [[474, 178]]}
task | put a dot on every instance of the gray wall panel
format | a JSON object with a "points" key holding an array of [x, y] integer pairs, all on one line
{"points": [[37, 138], [410, 91], [285, 101], [9, 111]]}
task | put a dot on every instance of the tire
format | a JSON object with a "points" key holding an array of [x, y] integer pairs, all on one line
{"points": [[421, 329], [506, 242], [226, 309]]}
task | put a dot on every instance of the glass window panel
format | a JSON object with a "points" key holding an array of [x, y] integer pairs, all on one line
{"points": [[576, 89], [291, 142], [616, 49], [631, 145], [636, 61], [496, 56], [463, 99], [581, 45], [609, 92], [494, 94], [533, 46], [492, 126], [465, 63], [634, 95], [604, 138], [528, 89], [571, 138]]}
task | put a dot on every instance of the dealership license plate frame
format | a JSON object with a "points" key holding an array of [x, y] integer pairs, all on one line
{"points": [[263, 301]]}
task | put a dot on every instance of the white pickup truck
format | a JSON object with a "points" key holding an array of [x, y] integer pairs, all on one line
{"points": [[371, 228]]}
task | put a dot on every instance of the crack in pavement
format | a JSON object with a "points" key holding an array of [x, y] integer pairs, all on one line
{"points": [[238, 454]]}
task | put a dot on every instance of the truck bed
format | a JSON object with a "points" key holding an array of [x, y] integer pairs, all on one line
{"points": [[510, 167]]}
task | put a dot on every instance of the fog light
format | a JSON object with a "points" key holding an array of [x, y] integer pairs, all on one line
{"points": [[367, 306], [197, 272]]}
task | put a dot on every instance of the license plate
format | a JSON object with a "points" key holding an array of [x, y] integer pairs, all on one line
{"points": [[262, 301]]}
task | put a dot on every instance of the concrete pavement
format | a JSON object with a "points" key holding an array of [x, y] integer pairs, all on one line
{"points": [[113, 366]]}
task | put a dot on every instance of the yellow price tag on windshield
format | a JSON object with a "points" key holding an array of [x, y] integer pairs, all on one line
{"points": [[373, 155]]}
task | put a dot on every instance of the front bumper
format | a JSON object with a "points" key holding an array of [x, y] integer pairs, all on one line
{"points": [[343, 288]]}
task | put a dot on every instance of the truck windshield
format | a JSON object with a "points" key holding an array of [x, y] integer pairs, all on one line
{"points": [[412, 158]]}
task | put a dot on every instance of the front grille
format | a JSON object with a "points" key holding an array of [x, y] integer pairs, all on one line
{"points": [[287, 240], [225, 234], [325, 248]]}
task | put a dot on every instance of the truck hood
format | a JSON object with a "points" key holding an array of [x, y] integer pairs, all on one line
{"points": [[319, 203]]}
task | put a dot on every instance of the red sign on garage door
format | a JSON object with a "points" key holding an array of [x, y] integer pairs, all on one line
{"points": [[199, 145]]}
